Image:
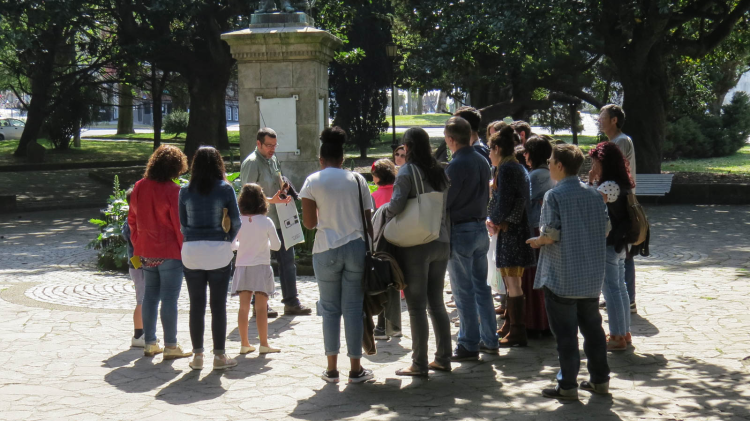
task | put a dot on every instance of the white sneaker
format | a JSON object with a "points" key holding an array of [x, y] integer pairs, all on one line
{"points": [[138, 342], [197, 363], [222, 361]]}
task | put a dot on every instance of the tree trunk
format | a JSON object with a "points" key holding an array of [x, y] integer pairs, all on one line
{"points": [[125, 113], [442, 99], [77, 135], [34, 120], [420, 103], [156, 92], [645, 92], [208, 120]]}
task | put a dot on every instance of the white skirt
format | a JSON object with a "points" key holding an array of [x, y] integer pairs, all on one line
{"points": [[253, 278]]}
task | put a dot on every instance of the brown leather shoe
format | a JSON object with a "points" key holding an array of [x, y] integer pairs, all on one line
{"points": [[517, 316], [616, 343]]}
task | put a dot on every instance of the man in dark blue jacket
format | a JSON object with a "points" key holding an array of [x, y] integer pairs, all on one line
{"points": [[467, 200]]}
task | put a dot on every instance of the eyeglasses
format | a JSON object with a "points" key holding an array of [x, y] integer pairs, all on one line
{"points": [[270, 146], [401, 155]]}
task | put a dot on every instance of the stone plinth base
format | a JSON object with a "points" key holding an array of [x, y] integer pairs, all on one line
{"points": [[281, 62]]}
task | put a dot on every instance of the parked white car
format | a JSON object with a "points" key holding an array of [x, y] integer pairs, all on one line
{"points": [[11, 128]]}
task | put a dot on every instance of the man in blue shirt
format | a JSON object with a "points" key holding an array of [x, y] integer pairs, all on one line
{"points": [[574, 227], [466, 204]]}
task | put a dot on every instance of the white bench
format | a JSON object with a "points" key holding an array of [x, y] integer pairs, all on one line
{"points": [[655, 185]]}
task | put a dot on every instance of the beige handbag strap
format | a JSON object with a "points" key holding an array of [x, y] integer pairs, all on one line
{"points": [[415, 173]]}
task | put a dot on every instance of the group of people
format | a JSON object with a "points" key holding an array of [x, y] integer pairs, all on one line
{"points": [[558, 244]]}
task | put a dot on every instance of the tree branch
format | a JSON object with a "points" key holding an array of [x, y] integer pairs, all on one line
{"points": [[703, 45]]}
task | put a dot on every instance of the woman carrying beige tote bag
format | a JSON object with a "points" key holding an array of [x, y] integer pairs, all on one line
{"points": [[419, 223]]}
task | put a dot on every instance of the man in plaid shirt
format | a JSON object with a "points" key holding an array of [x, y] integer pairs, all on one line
{"points": [[574, 227]]}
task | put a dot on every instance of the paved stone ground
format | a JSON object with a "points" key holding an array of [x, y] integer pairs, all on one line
{"points": [[65, 332]]}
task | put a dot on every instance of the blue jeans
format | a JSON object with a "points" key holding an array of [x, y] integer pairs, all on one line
{"points": [[566, 316], [339, 274], [468, 272], [616, 293], [163, 284], [630, 276]]}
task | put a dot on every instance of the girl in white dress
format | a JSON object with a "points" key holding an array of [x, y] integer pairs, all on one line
{"points": [[253, 273]]}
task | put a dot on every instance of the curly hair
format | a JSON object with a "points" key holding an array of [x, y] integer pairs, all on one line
{"points": [[252, 200], [207, 168], [613, 164], [165, 164], [385, 170]]}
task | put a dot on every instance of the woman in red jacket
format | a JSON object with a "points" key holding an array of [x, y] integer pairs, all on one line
{"points": [[155, 232]]}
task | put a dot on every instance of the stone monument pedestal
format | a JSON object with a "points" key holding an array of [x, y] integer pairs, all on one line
{"points": [[280, 56]]}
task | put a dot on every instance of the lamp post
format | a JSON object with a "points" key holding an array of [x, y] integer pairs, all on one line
{"points": [[391, 51]]}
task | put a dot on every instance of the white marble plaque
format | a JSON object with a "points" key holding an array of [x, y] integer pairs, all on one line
{"points": [[280, 114]]}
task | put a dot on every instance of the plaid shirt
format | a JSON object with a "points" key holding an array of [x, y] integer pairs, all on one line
{"points": [[575, 216]]}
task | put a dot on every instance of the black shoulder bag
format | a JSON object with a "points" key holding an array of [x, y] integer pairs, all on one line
{"points": [[378, 276]]}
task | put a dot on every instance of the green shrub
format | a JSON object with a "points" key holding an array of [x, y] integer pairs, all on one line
{"points": [[708, 136], [176, 122], [111, 245]]}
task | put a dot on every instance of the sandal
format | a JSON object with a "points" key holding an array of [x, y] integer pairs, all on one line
{"points": [[411, 371], [437, 367]]}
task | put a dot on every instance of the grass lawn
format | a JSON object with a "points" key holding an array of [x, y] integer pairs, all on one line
{"points": [[234, 137], [739, 163], [420, 120], [90, 151]]}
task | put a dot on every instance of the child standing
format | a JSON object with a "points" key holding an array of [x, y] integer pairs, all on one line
{"points": [[138, 340], [253, 273]]}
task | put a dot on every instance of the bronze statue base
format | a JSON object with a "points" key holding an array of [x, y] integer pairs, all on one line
{"points": [[279, 19]]}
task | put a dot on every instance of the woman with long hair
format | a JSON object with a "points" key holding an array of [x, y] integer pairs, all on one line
{"points": [[537, 151], [423, 265], [509, 220], [331, 203], [610, 172], [207, 203], [155, 233]]}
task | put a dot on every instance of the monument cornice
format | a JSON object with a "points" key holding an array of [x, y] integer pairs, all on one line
{"points": [[282, 44]]}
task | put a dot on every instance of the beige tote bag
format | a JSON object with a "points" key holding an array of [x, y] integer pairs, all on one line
{"points": [[420, 221]]}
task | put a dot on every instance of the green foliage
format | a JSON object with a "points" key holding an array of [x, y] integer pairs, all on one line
{"points": [[556, 118], [362, 71], [77, 108], [176, 122], [110, 244], [708, 135]]}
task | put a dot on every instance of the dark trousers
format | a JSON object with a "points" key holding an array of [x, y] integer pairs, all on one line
{"points": [[389, 321], [217, 281], [630, 276], [566, 316], [287, 273], [424, 269]]}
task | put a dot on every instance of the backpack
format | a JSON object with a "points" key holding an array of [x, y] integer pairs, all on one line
{"points": [[638, 231]]}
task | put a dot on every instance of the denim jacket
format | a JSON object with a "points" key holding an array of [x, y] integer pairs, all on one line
{"points": [[200, 216]]}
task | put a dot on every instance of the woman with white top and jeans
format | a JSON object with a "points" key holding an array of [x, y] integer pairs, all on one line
{"points": [[330, 203], [207, 250]]}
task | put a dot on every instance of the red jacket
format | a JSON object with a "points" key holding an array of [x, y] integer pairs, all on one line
{"points": [[154, 219]]}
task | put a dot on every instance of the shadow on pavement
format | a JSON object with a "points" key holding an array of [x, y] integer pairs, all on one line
{"points": [[143, 376]]}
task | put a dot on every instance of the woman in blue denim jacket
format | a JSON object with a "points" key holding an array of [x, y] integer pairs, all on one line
{"points": [[207, 250]]}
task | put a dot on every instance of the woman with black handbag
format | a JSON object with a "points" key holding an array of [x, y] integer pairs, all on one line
{"points": [[423, 265], [331, 203]]}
